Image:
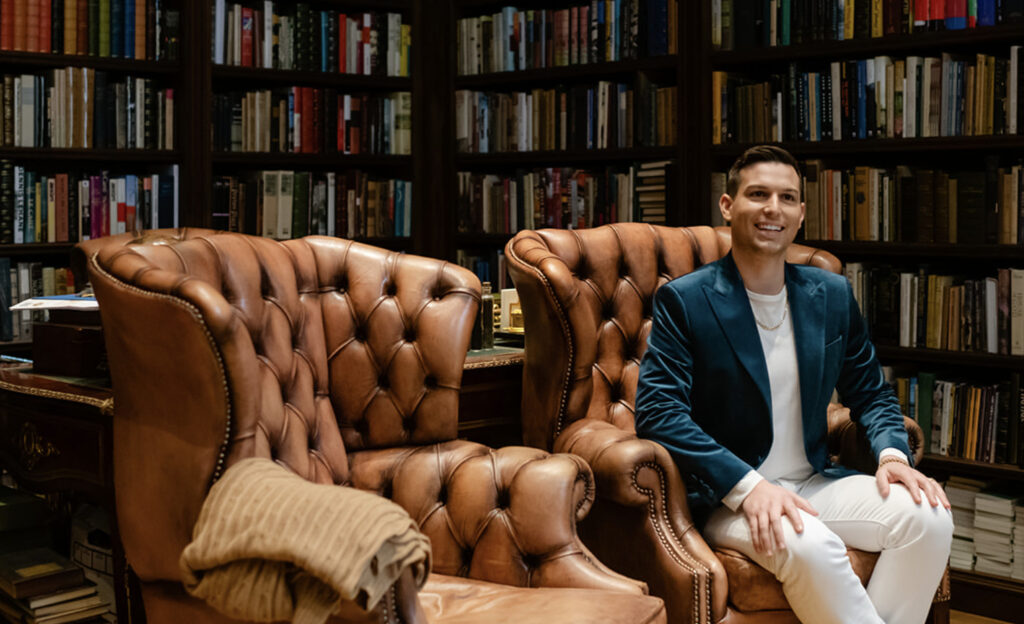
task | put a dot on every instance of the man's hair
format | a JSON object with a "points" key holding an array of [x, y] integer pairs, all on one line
{"points": [[754, 155]]}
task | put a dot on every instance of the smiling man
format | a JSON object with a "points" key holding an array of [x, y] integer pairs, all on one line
{"points": [[741, 363]]}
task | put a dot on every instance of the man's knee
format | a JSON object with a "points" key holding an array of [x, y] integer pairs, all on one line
{"points": [[815, 548], [921, 521]]}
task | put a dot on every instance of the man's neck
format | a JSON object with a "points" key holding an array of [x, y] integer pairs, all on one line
{"points": [[762, 274]]}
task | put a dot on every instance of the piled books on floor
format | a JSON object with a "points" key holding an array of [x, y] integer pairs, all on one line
{"points": [[1018, 544], [994, 519], [961, 492], [39, 586]]}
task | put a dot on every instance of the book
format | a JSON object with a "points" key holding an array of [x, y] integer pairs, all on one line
{"points": [[36, 571]]}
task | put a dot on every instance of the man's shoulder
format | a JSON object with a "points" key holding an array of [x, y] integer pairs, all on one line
{"points": [[833, 282], [695, 279]]}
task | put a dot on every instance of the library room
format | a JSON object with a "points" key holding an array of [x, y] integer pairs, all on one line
{"points": [[402, 311]]}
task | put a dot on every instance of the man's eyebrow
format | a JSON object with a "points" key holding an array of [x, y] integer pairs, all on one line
{"points": [[761, 187]]}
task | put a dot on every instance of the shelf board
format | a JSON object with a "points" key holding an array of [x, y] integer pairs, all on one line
{"points": [[35, 249], [847, 250], [984, 594], [873, 147], [971, 467], [281, 77], [264, 160], [35, 59], [926, 42], [89, 157], [949, 358], [481, 240], [565, 157], [572, 73]]}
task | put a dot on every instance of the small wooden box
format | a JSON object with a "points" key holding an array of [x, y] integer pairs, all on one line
{"points": [[68, 350]]}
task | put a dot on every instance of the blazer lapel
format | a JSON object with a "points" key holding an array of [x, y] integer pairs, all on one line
{"points": [[807, 305], [731, 306]]}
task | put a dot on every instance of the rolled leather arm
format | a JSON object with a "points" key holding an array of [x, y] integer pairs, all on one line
{"points": [[848, 446], [640, 474], [505, 516]]}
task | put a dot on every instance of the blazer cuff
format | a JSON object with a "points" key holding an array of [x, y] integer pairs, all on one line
{"points": [[893, 452], [739, 492]]}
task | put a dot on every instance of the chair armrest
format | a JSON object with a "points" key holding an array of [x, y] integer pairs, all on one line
{"points": [[505, 516], [848, 446], [641, 524]]}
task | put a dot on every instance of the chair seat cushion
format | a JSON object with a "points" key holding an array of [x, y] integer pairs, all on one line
{"points": [[456, 600], [752, 588]]}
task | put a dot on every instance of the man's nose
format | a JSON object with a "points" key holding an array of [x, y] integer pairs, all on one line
{"points": [[771, 204]]}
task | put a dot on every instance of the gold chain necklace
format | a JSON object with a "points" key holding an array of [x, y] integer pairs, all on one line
{"points": [[785, 312]]}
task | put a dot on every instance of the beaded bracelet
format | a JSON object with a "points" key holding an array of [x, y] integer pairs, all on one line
{"points": [[892, 458]]}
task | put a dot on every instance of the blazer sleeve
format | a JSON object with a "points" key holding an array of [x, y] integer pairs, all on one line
{"points": [[664, 401], [862, 387]]}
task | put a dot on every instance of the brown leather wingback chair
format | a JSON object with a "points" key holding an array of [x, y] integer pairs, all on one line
{"points": [[586, 297], [342, 362]]}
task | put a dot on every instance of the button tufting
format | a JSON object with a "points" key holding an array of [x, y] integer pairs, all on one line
{"points": [[391, 289], [360, 334], [504, 499], [383, 382], [363, 427], [442, 495], [409, 335], [430, 382]]}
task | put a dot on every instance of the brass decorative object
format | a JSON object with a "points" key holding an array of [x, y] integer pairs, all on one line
{"points": [[33, 446]]}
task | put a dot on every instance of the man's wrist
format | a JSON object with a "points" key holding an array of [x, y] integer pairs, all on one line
{"points": [[892, 459]]}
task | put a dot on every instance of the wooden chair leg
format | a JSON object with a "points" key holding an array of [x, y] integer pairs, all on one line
{"points": [[939, 613]]}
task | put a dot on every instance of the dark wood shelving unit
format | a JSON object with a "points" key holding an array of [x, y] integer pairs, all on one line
{"points": [[873, 147], [878, 250], [90, 157], [564, 157], [272, 160], [831, 50], [992, 596], [281, 78], [972, 468], [482, 240], [950, 358], [570, 73], [35, 249], [105, 63]]}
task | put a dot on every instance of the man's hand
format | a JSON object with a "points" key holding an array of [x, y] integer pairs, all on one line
{"points": [[915, 482], [764, 508]]}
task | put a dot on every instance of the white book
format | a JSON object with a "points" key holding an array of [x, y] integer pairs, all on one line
{"points": [[331, 198], [284, 205], [28, 126], [1016, 311], [991, 313], [268, 40], [906, 283], [910, 96], [271, 183], [837, 107], [407, 213], [154, 204], [218, 31]]}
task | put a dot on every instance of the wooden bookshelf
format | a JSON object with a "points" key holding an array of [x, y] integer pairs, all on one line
{"points": [[87, 158], [972, 592], [283, 160], [574, 73], [36, 60], [281, 77], [563, 157]]}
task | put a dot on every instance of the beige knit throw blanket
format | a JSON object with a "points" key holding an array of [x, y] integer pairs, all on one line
{"points": [[272, 546]]}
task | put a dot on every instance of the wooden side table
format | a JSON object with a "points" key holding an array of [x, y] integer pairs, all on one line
{"points": [[55, 436], [492, 386]]}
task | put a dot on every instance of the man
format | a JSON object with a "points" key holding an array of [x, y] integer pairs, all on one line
{"points": [[741, 362]]}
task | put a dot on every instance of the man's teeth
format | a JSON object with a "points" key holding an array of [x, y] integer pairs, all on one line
{"points": [[773, 228]]}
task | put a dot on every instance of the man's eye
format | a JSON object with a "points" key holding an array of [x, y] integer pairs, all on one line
{"points": [[757, 193]]}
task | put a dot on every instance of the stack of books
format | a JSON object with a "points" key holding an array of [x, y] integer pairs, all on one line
{"points": [[39, 586], [961, 492], [1018, 544], [994, 519]]}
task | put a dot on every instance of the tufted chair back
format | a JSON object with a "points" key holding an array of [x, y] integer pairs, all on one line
{"points": [[587, 297], [302, 351]]}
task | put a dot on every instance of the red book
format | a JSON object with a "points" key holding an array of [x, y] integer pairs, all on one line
{"points": [[308, 145], [83, 26], [20, 17], [45, 15], [246, 37], [936, 13], [318, 132], [31, 34], [342, 41], [140, 28], [296, 145], [7, 24], [355, 121], [365, 66]]}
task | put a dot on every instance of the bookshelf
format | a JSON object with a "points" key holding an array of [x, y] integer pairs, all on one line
{"points": [[554, 65], [951, 150]]}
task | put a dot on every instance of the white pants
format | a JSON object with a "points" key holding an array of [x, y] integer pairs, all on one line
{"points": [[816, 575]]}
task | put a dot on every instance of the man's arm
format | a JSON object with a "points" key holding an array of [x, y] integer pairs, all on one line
{"points": [[874, 406]]}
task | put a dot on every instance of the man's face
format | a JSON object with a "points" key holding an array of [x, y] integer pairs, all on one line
{"points": [[766, 211]]}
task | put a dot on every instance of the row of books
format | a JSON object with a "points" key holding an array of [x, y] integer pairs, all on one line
{"points": [[926, 309], [79, 107], [560, 197], [773, 23], [38, 206], [988, 528], [292, 204], [979, 422], [24, 280], [607, 115], [594, 32], [489, 266], [298, 37], [132, 29], [914, 97], [312, 120]]}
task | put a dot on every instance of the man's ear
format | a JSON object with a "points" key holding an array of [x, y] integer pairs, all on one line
{"points": [[725, 205], [803, 212]]}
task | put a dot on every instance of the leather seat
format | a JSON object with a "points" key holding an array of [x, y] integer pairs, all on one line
{"points": [[341, 362], [586, 297]]}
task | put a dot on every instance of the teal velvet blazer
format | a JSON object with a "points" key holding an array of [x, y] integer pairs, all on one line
{"points": [[703, 391]]}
